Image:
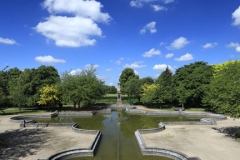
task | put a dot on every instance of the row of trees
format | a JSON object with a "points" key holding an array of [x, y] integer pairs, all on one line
{"points": [[44, 86], [197, 84]]}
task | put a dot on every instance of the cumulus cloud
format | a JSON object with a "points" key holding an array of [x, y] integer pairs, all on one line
{"points": [[48, 59], [236, 16], [158, 8], [7, 41], [178, 43], [150, 26], [111, 60], [88, 66], [168, 1], [121, 58], [136, 72], [119, 69], [162, 67], [234, 45], [108, 69], [72, 31], [74, 72], [152, 52], [210, 45], [111, 84], [80, 8], [174, 66], [69, 31], [162, 43], [134, 65], [169, 55], [186, 57]]}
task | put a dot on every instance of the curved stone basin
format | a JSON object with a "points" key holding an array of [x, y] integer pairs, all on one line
{"points": [[118, 139]]}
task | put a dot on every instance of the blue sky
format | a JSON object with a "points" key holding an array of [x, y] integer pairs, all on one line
{"points": [[146, 35]]}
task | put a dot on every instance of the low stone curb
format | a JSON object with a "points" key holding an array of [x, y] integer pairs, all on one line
{"points": [[180, 112], [157, 151], [121, 107]]}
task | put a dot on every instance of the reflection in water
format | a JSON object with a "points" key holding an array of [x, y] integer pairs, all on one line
{"points": [[118, 139]]}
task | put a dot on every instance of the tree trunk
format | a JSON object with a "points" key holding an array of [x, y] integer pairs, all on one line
{"points": [[20, 108], [160, 105], [151, 104], [79, 104], [74, 104], [139, 99], [157, 104]]}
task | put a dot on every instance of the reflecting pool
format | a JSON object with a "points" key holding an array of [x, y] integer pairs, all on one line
{"points": [[118, 139]]}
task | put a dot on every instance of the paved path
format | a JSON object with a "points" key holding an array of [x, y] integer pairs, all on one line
{"points": [[207, 142]]}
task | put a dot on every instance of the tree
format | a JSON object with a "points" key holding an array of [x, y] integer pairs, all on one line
{"points": [[182, 94], [165, 81], [113, 90], [49, 96], [149, 93], [3, 86], [218, 68], [127, 74], [195, 78], [224, 92], [17, 94]]}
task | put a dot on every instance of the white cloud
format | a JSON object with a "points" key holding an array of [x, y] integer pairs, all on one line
{"points": [[168, 1], [72, 31], [74, 72], [158, 8], [69, 31], [88, 66], [7, 41], [119, 69], [174, 66], [169, 55], [232, 56], [80, 8], [238, 49], [48, 59], [136, 72], [139, 3], [134, 65], [121, 58], [178, 43], [111, 84], [232, 45], [162, 43], [108, 69], [102, 77], [236, 16], [186, 57], [151, 53], [118, 62], [162, 67], [209, 45], [150, 26], [156, 75], [111, 60]]}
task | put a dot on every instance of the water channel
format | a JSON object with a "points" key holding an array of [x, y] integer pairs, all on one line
{"points": [[118, 139]]}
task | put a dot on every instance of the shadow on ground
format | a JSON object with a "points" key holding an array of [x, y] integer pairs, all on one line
{"points": [[22, 142], [231, 132]]}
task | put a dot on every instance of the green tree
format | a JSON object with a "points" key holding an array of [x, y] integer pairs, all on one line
{"points": [[126, 75], [166, 89], [3, 86], [149, 93], [113, 90], [195, 78], [17, 93], [224, 92]]}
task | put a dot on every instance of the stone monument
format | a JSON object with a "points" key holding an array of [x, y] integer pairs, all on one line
{"points": [[119, 100]]}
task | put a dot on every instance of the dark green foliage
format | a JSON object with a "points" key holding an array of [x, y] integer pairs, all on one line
{"points": [[113, 90], [224, 92], [195, 79], [127, 74]]}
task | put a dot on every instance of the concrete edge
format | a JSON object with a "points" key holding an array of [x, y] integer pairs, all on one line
{"points": [[157, 151]]}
